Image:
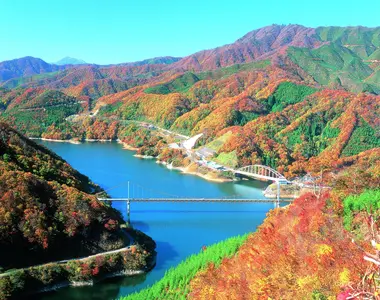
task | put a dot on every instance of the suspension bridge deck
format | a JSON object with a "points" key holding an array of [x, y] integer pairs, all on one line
{"points": [[230, 200]]}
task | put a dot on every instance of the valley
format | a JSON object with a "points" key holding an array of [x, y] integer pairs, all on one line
{"points": [[301, 104], [257, 111], [179, 229]]}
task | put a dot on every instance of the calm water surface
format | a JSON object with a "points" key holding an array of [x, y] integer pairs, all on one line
{"points": [[179, 229]]}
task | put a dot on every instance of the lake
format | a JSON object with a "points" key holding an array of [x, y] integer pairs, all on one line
{"points": [[179, 229]]}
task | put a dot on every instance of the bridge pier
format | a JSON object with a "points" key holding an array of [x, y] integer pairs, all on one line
{"points": [[128, 208], [128, 211], [278, 194]]}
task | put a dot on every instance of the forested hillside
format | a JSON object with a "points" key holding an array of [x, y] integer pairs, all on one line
{"points": [[314, 248], [300, 100], [45, 204], [294, 98], [322, 246]]}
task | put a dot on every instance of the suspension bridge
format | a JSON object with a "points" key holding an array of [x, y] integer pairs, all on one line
{"points": [[139, 193]]}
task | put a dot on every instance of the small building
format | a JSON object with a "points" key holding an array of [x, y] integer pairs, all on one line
{"points": [[174, 146], [214, 165]]}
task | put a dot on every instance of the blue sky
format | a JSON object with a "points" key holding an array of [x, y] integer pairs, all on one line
{"points": [[114, 31]]}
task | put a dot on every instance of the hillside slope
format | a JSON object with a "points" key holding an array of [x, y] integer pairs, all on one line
{"points": [[313, 248], [262, 114], [290, 97], [342, 57], [45, 204], [90, 81], [255, 45]]}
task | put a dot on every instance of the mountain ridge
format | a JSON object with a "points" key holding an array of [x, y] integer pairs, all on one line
{"points": [[25, 66], [314, 52], [42, 189], [259, 109]]}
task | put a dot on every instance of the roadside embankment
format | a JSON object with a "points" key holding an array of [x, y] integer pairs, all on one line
{"points": [[131, 260], [290, 190]]}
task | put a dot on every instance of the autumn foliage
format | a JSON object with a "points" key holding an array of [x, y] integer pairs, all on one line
{"points": [[44, 203], [300, 251], [294, 98]]}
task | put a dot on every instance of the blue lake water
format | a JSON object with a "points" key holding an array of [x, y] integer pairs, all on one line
{"points": [[179, 229]]}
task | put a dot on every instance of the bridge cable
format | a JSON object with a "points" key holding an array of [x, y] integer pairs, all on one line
{"points": [[154, 191], [113, 187]]}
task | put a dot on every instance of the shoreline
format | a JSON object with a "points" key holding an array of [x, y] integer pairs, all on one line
{"points": [[56, 141], [142, 156], [271, 192], [125, 271], [127, 146], [72, 141], [208, 177], [100, 140], [183, 170], [57, 286], [69, 260]]}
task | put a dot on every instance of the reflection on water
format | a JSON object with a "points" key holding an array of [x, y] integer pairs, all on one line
{"points": [[179, 229]]}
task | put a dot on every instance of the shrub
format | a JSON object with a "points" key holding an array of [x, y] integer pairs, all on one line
{"points": [[368, 201], [47, 274]]}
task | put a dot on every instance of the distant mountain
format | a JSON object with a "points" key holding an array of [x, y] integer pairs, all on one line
{"points": [[166, 60], [90, 80], [25, 66], [70, 61]]}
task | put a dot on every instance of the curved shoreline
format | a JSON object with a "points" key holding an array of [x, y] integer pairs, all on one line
{"points": [[126, 146], [184, 170], [56, 141], [69, 260], [24, 273], [84, 283], [72, 141], [162, 172]]}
